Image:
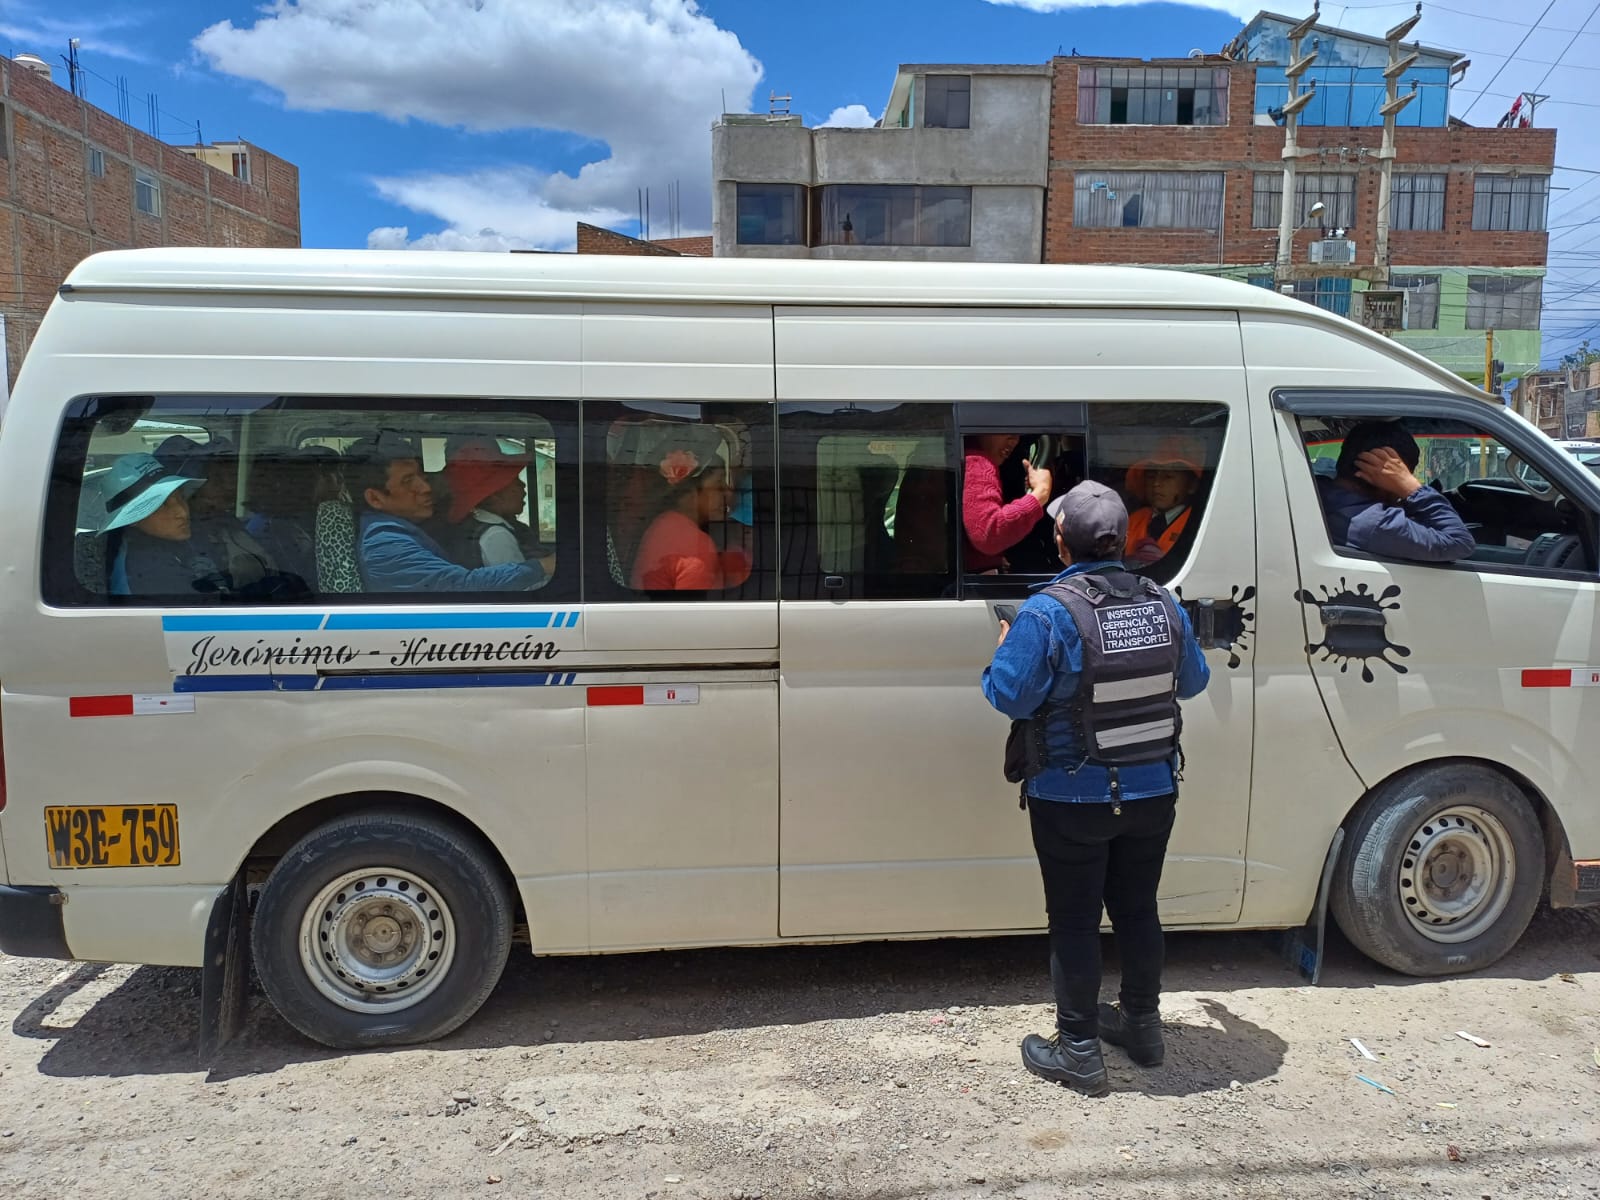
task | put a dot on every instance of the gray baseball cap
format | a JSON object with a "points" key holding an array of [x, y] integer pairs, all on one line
{"points": [[1088, 514]]}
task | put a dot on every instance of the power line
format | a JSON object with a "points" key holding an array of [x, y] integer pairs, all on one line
{"points": [[1567, 49], [1512, 56]]}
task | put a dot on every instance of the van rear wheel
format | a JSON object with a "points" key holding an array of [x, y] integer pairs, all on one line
{"points": [[382, 929], [1441, 871]]}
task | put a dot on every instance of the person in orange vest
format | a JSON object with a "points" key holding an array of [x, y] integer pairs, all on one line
{"points": [[1166, 482]]}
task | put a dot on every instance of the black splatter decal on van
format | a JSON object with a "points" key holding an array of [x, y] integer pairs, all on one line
{"points": [[1232, 625], [1355, 627]]}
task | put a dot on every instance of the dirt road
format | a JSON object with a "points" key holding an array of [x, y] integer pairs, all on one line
{"points": [[862, 1071]]}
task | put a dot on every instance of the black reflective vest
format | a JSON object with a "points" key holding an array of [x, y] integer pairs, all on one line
{"points": [[1125, 711]]}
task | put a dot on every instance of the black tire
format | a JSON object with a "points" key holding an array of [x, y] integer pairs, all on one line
{"points": [[1400, 893], [454, 917]]}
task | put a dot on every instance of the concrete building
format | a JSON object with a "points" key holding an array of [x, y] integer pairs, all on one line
{"points": [[74, 180], [1200, 184], [954, 173]]}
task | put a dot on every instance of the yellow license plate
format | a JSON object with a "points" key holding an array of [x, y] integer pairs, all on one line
{"points": [[112, 835]]}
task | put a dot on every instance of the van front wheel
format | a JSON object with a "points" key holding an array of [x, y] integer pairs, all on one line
{"points": [[1441, 871], [381, 929]]}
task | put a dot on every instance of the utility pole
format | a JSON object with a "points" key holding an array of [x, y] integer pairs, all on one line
{"points": [[1288, 215], [1488, 358], [1393, 103]]}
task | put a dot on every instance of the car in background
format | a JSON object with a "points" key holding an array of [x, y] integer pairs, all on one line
{"points": [[1586, 452]]}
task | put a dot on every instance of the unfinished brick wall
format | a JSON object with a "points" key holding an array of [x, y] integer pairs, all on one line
{"points": [[1241, 148], [54, 212]]}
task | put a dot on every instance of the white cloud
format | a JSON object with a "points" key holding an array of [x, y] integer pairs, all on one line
{"points": [[850, 116], [493, 209], [1243, 9], [644, 77], [33, 27]]}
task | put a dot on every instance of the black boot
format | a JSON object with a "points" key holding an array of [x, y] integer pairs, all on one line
{"points": [[1078, 1064], [1139, 1035]]}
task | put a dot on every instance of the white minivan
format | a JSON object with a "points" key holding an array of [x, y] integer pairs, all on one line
{"points": [[628, 600]]}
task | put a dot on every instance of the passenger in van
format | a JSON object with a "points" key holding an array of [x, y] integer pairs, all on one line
{"points": [[396, 554], [487, 496], [990, 526], [1166, 482], [676, 552], [285, 494], [246, 563], [150, 548], [1376, 503]]}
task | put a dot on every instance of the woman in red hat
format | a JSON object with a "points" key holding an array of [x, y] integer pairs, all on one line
{"points": [[487, 496]]}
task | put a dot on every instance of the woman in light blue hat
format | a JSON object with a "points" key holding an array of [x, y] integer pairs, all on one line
{"points": [[147, 526]]}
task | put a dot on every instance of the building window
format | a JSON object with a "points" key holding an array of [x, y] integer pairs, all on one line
{"points": [[948, 102], [771, 214], [1261, 280], [97, 163], [1504, 301], [1336, 191], [1147, 199], [1330, 293], [1152, 96], [1416, 201], [1422, 309], [147, 193], [893, 215], [1510, 202], [241, 166]]}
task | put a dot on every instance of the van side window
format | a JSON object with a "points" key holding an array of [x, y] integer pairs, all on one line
{"points": [[869, 501], [1515, 517], [204, 501], [679, 501], [1162, 459], [1160, 456]]}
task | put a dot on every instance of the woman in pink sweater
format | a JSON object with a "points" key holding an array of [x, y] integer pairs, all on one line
{"points": [[990, 526]]}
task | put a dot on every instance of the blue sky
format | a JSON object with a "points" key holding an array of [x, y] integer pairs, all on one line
{"points": [[500, 123]]}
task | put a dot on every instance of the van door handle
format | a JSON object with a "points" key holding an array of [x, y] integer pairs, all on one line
{"points": [[1205, 623], [1349, 615]]}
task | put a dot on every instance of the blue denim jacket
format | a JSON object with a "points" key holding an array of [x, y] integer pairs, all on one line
{"points": [[1041, 660]]}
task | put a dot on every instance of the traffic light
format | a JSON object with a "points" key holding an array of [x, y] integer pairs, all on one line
{"points": [[1496, 375]]}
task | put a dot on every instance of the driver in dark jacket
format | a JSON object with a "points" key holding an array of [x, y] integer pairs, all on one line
{"points": [[1376, 503]]}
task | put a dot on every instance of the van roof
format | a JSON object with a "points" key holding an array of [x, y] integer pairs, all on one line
{"points": [[588, 276], [599, 277]]}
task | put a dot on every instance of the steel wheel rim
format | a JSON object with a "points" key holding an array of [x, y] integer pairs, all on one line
{"points": [[1456, 874], [377, 939]]}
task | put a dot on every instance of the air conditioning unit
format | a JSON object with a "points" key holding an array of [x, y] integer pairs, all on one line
{"points": [[1386, 310], [1334, 252]]}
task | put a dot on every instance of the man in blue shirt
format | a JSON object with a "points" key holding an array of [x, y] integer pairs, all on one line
{"points": [[396, 554], [1100, 833], [1375, 502]]}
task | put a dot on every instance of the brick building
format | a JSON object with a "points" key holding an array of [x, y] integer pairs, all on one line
{"points": [[1179, 163], [75, 180], [1199, 184], [594, 239]]}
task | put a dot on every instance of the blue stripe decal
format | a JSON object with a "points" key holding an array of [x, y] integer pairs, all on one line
{"points": [[374, 682], [227, 624], [489, 620], [298, 623], [244, 683]]}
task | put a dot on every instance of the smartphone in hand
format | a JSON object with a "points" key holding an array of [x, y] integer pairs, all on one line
{"points": [[1006, 613]]}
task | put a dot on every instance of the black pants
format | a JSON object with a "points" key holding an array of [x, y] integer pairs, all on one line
{"points": [[1089, 857]]}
